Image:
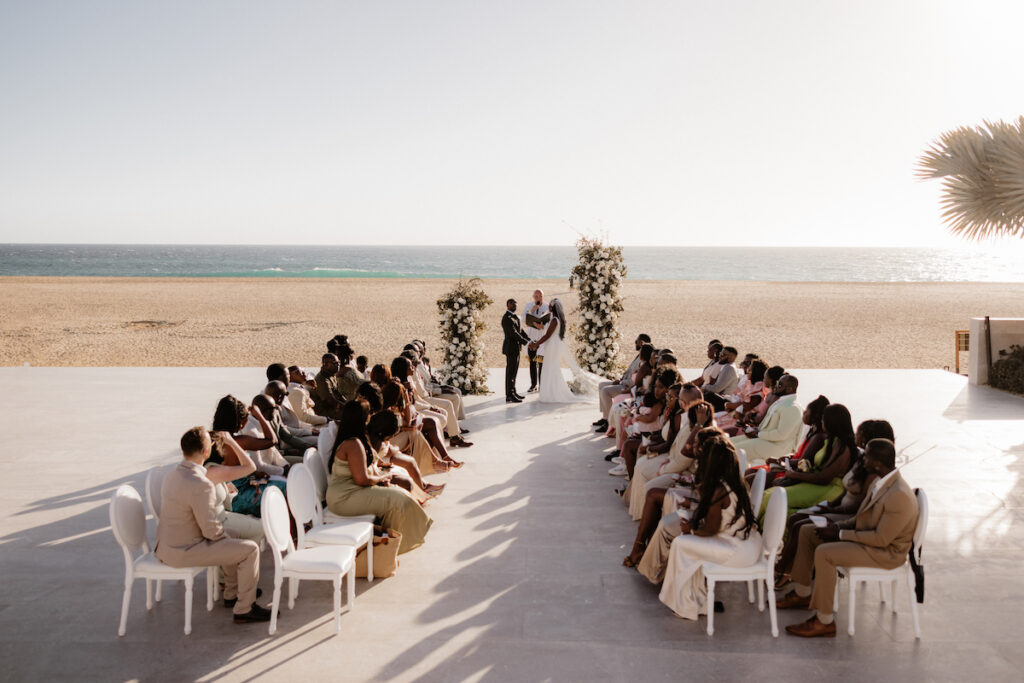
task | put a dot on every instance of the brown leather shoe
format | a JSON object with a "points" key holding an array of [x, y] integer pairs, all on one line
{"points": [[459, 442], [793, 601], [812, 628]]}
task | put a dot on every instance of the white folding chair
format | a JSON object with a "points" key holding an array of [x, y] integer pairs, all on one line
{"points": [[742, 456], [128, 520], [304, 506], [762, 571], [756, 496], [318, 468], [320, 563], [890, 577]]}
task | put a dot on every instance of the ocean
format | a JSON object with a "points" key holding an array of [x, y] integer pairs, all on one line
{"points": [[780, 264]]}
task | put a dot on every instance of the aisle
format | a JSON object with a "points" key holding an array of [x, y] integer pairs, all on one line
{"points": [[520, 578]]}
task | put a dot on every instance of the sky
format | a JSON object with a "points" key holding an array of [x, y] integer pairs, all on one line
{"points": [[654, 123]]}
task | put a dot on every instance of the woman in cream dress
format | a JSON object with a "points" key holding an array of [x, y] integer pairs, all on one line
{"points": [[722, 530], [359, 486]]}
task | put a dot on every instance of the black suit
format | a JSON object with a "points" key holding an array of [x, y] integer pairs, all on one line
{"points": [[515, 338]]}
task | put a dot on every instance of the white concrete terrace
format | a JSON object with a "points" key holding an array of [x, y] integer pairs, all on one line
{"points": [[520, 578]]}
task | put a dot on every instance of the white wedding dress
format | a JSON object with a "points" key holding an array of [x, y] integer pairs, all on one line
{"points": [[553, 387]]}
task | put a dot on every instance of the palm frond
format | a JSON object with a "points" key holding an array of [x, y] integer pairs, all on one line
{"points": [[982, 172]]}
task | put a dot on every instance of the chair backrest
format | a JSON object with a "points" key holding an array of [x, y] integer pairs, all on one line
{"points": [[128, 520], [154, 489], [922, 521], [301, 490], [325, 441], [315, 462], [757, 490], [741, 455], [276, 527], [775, 522]]}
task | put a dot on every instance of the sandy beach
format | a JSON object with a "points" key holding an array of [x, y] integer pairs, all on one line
{"points": [[252, 322]]}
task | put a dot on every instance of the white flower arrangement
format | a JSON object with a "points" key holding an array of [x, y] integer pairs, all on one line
{"points": [[461, 326], [598, 279]]}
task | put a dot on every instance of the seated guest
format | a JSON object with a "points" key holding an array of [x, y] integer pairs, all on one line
{"points": [[818, 477], [855, 482], [361, 364], [609, 390], [358, 485], [381, 428], [257, 438], [722, 530], [288, 445], [349, 378], [648, 422], [380, 375], [621, 405], [675, 459], [432, 386], [326, 393], [754, 417], [879, 535], [299, 399], [635, 446], [235, 523], [813, 440], [294, 439], [276, 372], [710, 372], [189, 535], [779, 431], [403, 370], [726, 379], [749, 394], [415, 433]]}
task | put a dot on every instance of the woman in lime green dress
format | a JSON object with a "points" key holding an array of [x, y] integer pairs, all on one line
{"points": [[359, 486], [824, 480]]}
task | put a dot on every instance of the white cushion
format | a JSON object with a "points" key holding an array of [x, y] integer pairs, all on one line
{"points": [[872, 572], [342, 533], [150, 565], [718, 570], [330, 518], [321, 559]]}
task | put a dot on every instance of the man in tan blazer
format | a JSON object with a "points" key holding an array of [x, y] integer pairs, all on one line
{"points": [[779, 431], [190, 535], [879, 535]]}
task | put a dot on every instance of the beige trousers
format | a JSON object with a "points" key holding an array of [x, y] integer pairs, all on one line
{"points": [[240, 560]]}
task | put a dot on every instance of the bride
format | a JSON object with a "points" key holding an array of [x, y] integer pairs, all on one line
{"points": [[553, 349]]}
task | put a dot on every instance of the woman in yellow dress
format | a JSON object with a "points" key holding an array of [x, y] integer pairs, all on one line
{"points": [[359, 486]]}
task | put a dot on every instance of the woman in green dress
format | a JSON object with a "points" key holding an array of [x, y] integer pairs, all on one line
{"points": [[360, 486], [823, 479]]}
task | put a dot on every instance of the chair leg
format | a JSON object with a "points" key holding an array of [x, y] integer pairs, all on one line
{"points": [[210, 588], [892, 595], [276, 603], [125, 601], [351, 599], [188, 605], [293, 590], [369, 559], [337, 603], [750, 592], [853, 605], [760, 596], [149, 594], [913, 602], [835, 596], [771, 605], [159, 590], [711, 607]]}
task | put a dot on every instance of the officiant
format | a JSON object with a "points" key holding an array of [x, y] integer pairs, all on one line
{"points": [[533, 320]]}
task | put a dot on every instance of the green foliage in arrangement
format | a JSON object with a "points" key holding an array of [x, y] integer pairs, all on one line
{"points": [[597, 277], [461, 324], [1007, 373]]}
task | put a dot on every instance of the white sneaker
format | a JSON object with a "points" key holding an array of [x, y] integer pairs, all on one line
{"points": [[618, 471], [617, 460]]}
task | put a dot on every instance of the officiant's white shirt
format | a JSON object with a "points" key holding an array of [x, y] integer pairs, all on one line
{"points": [[533, 309]]}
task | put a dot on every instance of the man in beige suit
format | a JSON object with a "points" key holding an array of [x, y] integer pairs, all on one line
{"points": [[190, 535], [879, 535], [779, 431]]}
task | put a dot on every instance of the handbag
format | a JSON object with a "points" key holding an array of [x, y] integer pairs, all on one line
{"points": [[386, 543]]}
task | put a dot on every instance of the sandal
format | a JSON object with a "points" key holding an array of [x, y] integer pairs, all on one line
{"points": [[454, 463]]}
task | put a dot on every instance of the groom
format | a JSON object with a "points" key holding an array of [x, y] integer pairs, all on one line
{"points": [[515, 338]]}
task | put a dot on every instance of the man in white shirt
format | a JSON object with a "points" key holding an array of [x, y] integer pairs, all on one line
{"points": [[299, 399], [537, 308], [779, 431], [725, 382]]}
